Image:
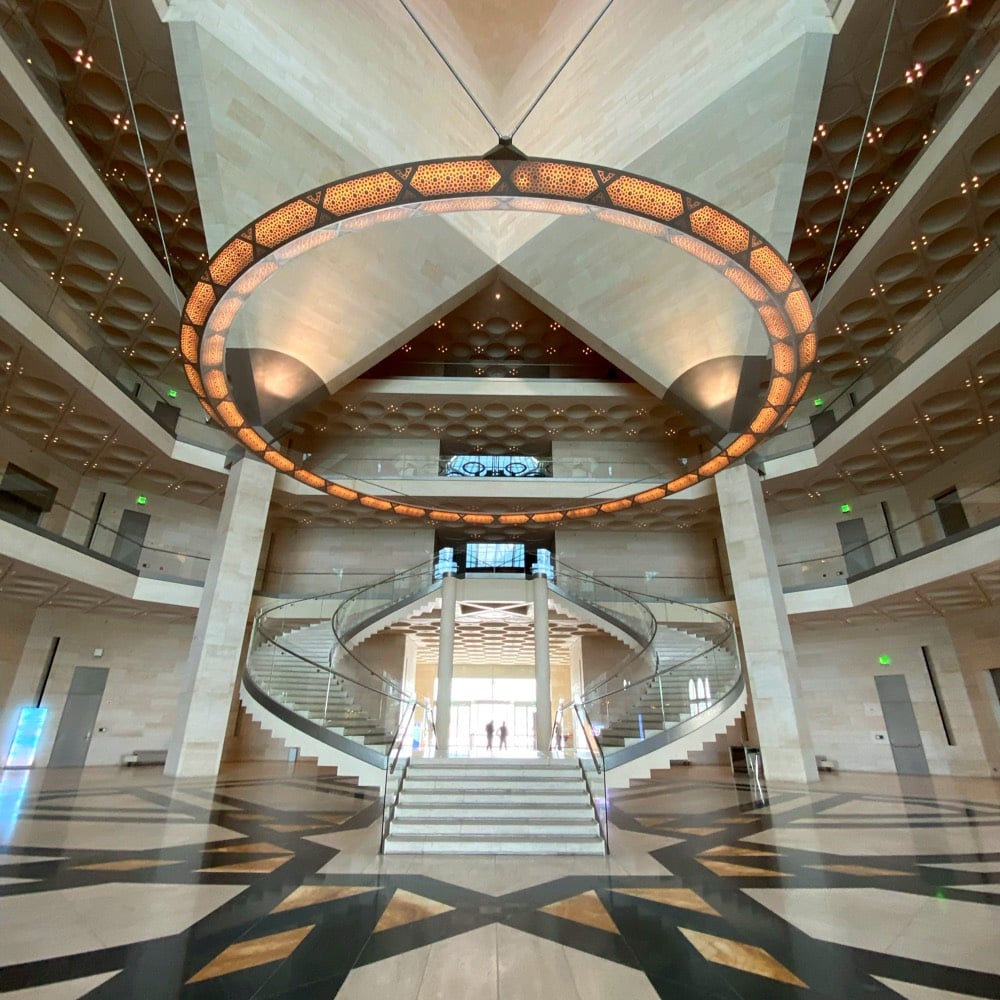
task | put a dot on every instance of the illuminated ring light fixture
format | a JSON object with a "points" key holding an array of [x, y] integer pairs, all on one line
{"points": [[498, 181]]}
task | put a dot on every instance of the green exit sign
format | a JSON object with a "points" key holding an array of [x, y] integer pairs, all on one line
{"points": [[140, 500], [845, 508], [885, 659]]}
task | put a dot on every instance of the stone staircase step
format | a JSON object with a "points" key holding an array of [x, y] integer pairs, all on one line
{"points": [[490, 806], [467, 844]]}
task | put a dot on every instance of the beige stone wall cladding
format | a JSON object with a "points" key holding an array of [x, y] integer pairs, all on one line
{"points": [[179, 536], [975, 636], [342, 557], [145, 663], [838, 665], [600, 654], [683, 563]]}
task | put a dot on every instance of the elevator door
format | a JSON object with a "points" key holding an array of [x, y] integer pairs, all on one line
{"points": [[130, 538], [855, 545], [901, 725], [79, 715]]}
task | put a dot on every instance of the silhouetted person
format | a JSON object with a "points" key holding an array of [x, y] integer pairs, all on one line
{"points": [[503, 735], [489, 735]]}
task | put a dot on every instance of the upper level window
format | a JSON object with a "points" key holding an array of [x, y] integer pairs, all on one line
{"points": [[493, 465], [24, 496], [493, 556]]}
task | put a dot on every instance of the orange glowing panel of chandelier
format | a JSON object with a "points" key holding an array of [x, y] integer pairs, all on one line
{"points": [[525, 184]]}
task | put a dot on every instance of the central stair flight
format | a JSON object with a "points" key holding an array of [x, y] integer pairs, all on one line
{"points": [[487, 805]]}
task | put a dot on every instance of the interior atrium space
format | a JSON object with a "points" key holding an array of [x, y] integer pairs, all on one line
{"points": [[499, 499]]}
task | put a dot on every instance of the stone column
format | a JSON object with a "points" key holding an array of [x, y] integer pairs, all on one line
{"points": [[772, 670], [213, 662], [446, 662], [541, 573]]}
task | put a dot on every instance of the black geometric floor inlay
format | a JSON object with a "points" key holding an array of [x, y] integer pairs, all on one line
{"points": [[689, 922]]}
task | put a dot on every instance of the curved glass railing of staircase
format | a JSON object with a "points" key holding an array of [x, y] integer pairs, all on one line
{"points": [[302, 669], [623, 610], [696, 675]]}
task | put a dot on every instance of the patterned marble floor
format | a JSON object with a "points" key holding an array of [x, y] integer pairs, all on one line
{"points": [[120, 883]]}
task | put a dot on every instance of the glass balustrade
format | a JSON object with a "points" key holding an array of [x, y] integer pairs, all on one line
{"points": [[94, 535], [841, 395], [980, 511]]}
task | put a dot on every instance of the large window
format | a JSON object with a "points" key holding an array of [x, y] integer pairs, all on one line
{"points": [[491, 556], [493, 465], [24, 496]]}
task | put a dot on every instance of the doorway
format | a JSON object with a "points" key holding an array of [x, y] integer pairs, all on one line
{"points": [[130, 538], [855, 546], [901, 725], [76, 726]]}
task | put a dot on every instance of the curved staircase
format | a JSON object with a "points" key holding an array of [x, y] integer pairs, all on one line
{"points": [[677, 680]]}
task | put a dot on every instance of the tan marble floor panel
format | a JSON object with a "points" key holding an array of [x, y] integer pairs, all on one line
{"points": [[120, 836], [945, 931], [9, 880], [130, 911]]}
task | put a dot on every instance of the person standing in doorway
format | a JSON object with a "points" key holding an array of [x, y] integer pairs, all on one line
{"points": [[489, 735], [503, 735]]}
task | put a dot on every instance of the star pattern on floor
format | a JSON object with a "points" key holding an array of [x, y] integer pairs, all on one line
{"points": [[704, 920]]}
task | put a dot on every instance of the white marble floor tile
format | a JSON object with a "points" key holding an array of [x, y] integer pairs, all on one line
{"points": [[129, 912], [957, 934], [118, 836], [398, 977], [463, 966], [70, 989], [886, 842]]}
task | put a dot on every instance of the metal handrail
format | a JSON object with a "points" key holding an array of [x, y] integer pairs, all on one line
{"points": [[600, 766]]}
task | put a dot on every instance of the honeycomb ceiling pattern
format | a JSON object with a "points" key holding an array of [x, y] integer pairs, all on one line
{"points": [[950, 241], [966, 592], [954, 411], [933, 54], [95, 275], [35, 587], [495, 633], [76, 266], [78, 65], [495, 333], [494, 426], [73, 426]]}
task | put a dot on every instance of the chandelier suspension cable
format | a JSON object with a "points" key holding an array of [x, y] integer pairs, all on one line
{"points": [[461, 82], [142, 154], [857, 160], [562, 66]]}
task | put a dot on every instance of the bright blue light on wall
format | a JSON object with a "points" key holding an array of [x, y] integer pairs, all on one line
{"points": [[27, 736]]}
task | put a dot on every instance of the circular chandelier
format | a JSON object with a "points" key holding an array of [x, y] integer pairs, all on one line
{"points": [[502, 180]]}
